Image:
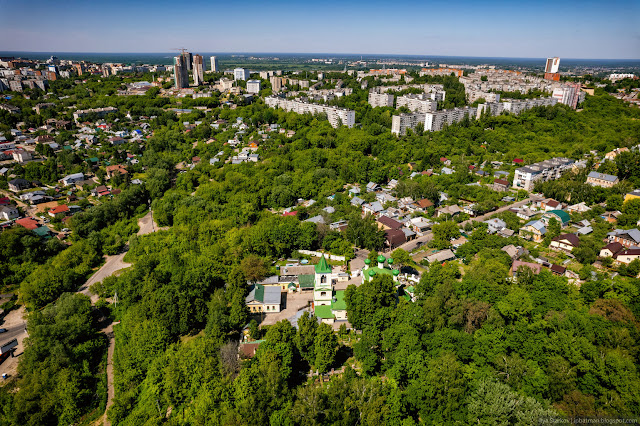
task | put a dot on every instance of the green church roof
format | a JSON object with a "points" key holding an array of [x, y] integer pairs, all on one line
{"points": [[390, 261], [323, 266], [381, 259], [323, 311], [367, 261], [396, 272], [339, 304]]}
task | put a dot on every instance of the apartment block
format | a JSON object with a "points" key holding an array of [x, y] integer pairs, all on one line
{"points": [[335, 115], [241, 74], [253, 86], [435, 121], [380, 99], [214, 64], [276, 83], [400, 123], [418, 103], [527, 176]]}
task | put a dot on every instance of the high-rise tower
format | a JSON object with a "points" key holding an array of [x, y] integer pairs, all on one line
{"points": [[180, 72], [198, 70], [214, 64]]}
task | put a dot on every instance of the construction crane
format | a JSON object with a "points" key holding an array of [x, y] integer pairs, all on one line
{"points": [[181, 49]]}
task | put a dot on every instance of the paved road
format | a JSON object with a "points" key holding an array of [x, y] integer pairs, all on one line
{"points": [[112, 265], [12, 333], [502, 209]]}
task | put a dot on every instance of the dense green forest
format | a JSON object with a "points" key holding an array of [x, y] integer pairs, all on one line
{"points": [[473, 348]]}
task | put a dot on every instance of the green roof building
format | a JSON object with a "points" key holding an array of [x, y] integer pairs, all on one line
{"points": [[560, 215]]}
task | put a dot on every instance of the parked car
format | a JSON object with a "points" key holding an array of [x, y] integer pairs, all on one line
{"points": [[3, 330]]}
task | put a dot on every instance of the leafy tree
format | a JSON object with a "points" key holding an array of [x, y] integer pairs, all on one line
{"points": [[325, 347]]}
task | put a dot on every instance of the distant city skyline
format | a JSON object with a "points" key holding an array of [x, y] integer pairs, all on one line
{"points": [[568, 29]]}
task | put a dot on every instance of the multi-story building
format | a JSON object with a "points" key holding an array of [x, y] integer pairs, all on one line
{"points": [[380, 99], [336, 116], [435, 121], [553, 64], [198, 70], [602, 179], [418, 103], [400, 123], [180, 72], [241, 74], [276, 83], [214, 64], [253, 86], [616, 77], [442, 71], [474, 95], [188, 59], [570, 94], [100, 112], [527, 176]]}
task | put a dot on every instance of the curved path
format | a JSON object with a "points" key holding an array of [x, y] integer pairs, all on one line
{"points": [[112, 265]]}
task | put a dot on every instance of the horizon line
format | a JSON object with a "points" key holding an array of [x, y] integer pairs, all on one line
{"points": [[327, 53]]}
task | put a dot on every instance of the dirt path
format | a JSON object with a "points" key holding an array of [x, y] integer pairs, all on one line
{"points": [[112, 266]]}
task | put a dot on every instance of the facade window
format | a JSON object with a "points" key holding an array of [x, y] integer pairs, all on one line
{"points": [[323, 279], [323, 293]]}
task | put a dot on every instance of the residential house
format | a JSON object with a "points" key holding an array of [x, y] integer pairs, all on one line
{"points": [[561, 216], [441, 256], [534, 230], [549, 204], [71, 179], [518, 266], [523, 213], [8, 212], [264, 299], [602, 180], [450, 210], [116, 169], [579, 208], [558, 270], [385, 223], [424, 204], [372, 208], [627, 256], [420, 225], [611, 249], [500, 185], [357, 201], [628, 238], [395, 237], [611, 217], [17, 185], [495, 225], [565, 242], [59, 211], [353, 191], [513, 251], [28, 223], [632, 195], [372, 187], [21, 156], [315, 219]]}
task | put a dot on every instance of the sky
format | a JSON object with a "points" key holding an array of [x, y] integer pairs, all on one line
{"points": [[522, 29]]}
